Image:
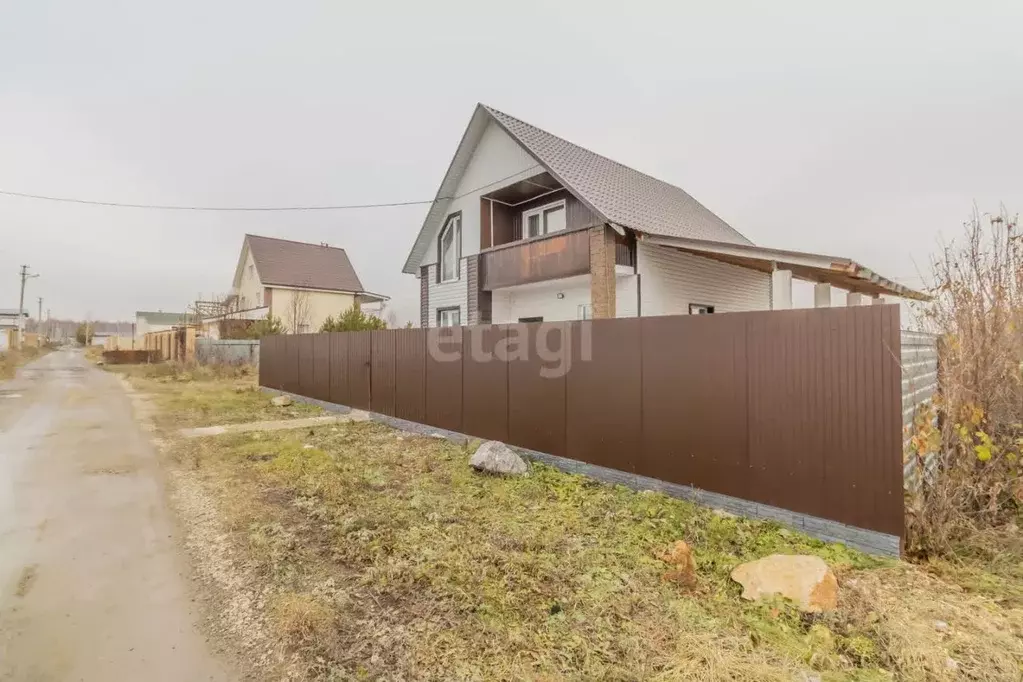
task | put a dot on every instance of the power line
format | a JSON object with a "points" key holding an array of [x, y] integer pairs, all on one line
{"points": [[174, 207]]}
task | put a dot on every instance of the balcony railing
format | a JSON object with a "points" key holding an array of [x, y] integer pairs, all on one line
{"points": [[536, 260]]}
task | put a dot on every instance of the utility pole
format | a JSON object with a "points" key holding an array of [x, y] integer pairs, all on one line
{"points": [[39, 317], [21, 306]]}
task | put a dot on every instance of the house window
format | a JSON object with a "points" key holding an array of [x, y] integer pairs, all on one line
{"points": [[252, 269], [449, 317], [449, 248], [700, 309], [543, 220], [259, 299], [586, 312], [530, 320]]}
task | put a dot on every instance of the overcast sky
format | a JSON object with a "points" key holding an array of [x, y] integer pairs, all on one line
{"points": [[861, 131]]}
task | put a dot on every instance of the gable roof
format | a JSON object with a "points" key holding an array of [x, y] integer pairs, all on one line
{"points": [[617, 193], [287, 263]]}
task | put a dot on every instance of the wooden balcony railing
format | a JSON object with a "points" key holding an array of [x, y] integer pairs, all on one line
{"points": [[542, 258]]}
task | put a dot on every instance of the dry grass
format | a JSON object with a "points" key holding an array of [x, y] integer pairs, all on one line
{"points": [[11, 360], [201, 396], [389, 558]]}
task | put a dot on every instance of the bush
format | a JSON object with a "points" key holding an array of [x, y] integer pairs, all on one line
{"points": [[352, 320], [269, 326], [84, 334], [978, 313]]}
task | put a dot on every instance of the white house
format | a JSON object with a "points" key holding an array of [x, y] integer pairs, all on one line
{"points": [[527, 226]]}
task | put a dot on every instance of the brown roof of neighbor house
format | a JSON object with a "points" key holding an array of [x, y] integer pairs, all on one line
{"points": [[298, 264]]}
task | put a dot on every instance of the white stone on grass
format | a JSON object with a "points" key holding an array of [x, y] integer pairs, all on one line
{"points": [[497, 458]]}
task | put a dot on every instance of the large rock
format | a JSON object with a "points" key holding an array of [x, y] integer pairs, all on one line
{"points": [[281, 400], [497, 458], [806, 580]]}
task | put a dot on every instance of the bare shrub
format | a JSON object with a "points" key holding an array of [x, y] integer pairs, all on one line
{"points": [[978, 313]]}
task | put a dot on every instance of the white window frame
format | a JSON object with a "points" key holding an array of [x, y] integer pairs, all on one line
{"points": [[444, 316], [585, 311], [539, 211], [701, 309], [454, 222]]}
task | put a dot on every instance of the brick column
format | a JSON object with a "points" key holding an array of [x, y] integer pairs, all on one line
{"points": [[602, 271]]}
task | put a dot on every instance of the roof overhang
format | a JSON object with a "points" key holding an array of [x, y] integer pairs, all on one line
{"points": [[844, 273]]}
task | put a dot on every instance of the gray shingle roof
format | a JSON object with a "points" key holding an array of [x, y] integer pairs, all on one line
{"points": [[621, 194], [299, 264]]}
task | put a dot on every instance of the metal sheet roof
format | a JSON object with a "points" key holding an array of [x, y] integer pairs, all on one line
{"points": [[288, 263]]}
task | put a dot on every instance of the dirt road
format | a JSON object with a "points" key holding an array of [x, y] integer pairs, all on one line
{"points": [[92, 586]]}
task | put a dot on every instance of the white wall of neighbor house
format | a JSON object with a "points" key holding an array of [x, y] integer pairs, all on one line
{"points": [[250, 289], [671, 280], [448, 294], [318, 306], [497, 156]]}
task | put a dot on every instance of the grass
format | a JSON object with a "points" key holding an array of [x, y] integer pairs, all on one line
{"points": [[193, 396], [386, 557], [11, 360]]}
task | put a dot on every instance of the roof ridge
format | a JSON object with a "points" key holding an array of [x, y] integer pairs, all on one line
{"points": [[294, 241], [576, 144], [530, 136]]}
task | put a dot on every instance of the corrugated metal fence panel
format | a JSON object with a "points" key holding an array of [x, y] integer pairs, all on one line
{"points": [[604, 413], [339, 392], [444, 377], [268, 362], [292, 382], [485, 382], [694, 402], [410, 374], [382, 372], [359, 367], [797, 409], [819, 433], [919, 385], [536, 394], [306, 365], [321, 366]]}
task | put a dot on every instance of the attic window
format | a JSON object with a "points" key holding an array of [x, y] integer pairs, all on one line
{"points": [[449, 246], [252, 269]]}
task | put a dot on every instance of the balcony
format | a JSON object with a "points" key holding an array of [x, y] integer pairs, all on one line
{"points": [[554, 256]]}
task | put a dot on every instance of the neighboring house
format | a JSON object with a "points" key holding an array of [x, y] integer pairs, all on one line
{"points": [[148, 321], [528, 227], [300, 283], [9, 326]]}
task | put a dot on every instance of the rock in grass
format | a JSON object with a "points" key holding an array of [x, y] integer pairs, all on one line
{"points": [[281, 400], [806, 580], [497, 458]]}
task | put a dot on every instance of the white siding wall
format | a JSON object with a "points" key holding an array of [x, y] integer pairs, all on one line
{"points": [[541, 300], [496, 157], [448, 295], [626, 301], [671, 280]]}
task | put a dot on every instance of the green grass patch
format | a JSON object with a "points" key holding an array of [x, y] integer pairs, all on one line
{"points": [[195, 398], [385, 556]]}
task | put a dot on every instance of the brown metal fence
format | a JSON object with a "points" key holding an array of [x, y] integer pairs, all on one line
{"points": [[799, 409]]}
